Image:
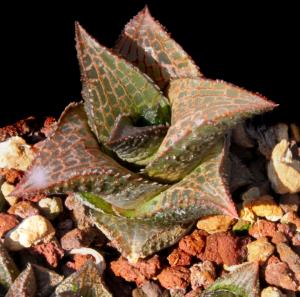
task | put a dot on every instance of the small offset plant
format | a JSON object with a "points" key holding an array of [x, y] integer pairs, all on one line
{"points": [[147, 149]]}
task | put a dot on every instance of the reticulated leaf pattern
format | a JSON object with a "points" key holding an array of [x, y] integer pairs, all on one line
{"points": [[146, 44], [113, 87], [202, 111], [202, 192], [242, 282], [85, 282], [71, 160], [137, 239]]}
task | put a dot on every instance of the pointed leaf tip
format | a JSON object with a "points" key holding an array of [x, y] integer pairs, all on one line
{"points": [[202, 111], [145, 43], [243, 281]]}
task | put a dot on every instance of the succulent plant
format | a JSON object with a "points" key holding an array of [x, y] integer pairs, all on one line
{"points": [[147, 149]]}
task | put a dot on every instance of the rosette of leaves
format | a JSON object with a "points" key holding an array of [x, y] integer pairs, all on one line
{"points": [[147, 149]]}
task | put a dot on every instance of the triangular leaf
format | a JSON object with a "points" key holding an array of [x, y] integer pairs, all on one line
{"points": [[242, 282], [202, 192], [136, 239], [85, 282], [8, 269], [24, 285], [135, 144], [113, 87], [202, 111], [46, 280], [146, 44], [71, 160]]}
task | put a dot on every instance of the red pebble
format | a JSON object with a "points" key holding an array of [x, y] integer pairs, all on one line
{"points": [[7, 222]]}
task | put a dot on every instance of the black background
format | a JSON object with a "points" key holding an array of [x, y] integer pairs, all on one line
{"points": [[249, 45]]}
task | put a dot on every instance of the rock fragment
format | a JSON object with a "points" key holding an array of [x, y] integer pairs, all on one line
{"points": [[179, 258], [288, 256], [51, 252], [139, 272], [193, 244], [77, 238], [6, 189], [202, 275], [262, 228], [51, 207], [223, 248], [23, 209], [31, 231], [278, 274], [284, 169], [174, 277], [265, 206], [271, 292], [291, 218], [7, 222], [15, 153], [215, 223], [260, 250]]}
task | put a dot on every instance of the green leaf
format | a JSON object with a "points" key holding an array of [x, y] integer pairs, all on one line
{"points": [[136, 239], [202, 111], [85, 282], [71, 160], [242, 282], [146, 44], [8, 269], [113, 87], [202, 192], [24, 285]]}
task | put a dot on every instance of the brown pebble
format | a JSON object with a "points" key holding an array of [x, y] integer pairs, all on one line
{"points": [[287, 229], [7, 222], [139, 272], [179, 258], [223, 248], [202, 275], [177, 277], [77, 238], [262, 228], [288, 256], [23, 209], [12, 176], [51, 251], [193, 244], [78, 261], [279, 237], [279, 275]]}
